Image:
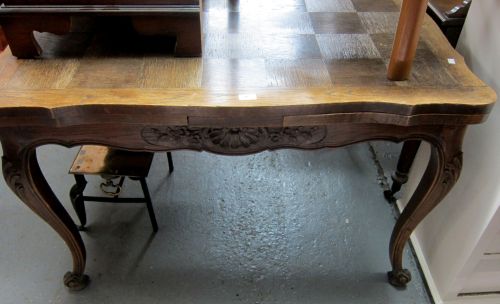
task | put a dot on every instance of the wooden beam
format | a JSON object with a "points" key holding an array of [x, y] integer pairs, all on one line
{"points": [[406, 40]]}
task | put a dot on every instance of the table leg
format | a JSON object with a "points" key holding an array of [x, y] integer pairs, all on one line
{"points": [[400, 177], [170, 163], [76, 197], [441, 174], [23, 175]]}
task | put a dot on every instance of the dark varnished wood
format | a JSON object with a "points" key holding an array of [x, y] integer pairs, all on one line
{"points": [[185, 27], [450, 16], [3, 40], [460, 10], [177, 18], [19, 32]]}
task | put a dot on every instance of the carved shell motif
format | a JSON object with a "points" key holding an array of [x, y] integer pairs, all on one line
{"points": [[235, 138], [229, 140]]}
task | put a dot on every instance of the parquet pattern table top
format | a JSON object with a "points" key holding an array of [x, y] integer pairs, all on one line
{"points": [[318, 49]]}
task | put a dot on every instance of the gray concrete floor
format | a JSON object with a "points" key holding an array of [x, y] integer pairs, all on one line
{"points": [[275, 227]]}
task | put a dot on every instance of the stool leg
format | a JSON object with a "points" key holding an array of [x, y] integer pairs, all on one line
{"points": [[170, 163], [76, 196], [149, 204]]}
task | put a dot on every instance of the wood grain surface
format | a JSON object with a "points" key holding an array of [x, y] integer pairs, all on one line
{"points": [[298, 53]]}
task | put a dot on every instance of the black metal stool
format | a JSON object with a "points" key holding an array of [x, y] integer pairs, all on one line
{"points": [[111, 164]]}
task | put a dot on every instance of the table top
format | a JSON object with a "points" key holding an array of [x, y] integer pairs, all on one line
{"points": [[300, 56]]}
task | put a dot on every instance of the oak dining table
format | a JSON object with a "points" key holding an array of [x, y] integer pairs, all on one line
{"points": [[307, 74]]}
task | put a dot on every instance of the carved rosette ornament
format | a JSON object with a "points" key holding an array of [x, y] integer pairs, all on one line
{"points": [[234, 140]]}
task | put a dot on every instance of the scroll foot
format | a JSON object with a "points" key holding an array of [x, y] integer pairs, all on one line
{"points": [[76, 282], [399, 278]]}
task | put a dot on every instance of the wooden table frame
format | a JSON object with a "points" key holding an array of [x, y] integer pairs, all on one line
{"points": [[204, 119], [23, 175]]}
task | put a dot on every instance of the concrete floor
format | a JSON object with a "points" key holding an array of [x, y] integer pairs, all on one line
{"points": [[276, 227]]}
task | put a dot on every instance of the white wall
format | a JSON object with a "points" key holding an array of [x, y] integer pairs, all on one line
{"points": [[450, 240]]}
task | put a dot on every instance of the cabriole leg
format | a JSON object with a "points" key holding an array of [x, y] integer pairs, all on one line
{"points": [[23, 175], [441, 174]]}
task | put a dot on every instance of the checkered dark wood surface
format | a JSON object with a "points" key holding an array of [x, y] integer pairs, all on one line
{"points": [[247, 44], [311, 42]]}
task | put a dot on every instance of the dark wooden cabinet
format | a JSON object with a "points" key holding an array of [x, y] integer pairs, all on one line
{"points": [[450, 16], [176, 18]]}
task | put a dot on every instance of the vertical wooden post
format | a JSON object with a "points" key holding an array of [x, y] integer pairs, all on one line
{"points": [[406, 40]]}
